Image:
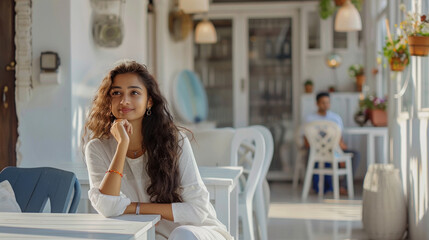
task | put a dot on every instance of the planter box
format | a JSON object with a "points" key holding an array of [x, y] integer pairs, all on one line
{"points": [[378, 117], [419, 46]]}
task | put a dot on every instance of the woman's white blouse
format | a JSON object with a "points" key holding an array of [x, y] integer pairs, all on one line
{"points": [[195, 209]]}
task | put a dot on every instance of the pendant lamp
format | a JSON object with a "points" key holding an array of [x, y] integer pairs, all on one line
{"points": [[205, 32], [194, 6], [348, 18]]}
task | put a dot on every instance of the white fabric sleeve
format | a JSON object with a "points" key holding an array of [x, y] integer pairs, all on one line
{"points": [[195, 206], [106, 205]]}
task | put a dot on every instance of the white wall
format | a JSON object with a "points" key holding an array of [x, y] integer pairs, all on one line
{"points": [[50, 123], [90, 63], [323, 77], [172, 57], [45, 120]]}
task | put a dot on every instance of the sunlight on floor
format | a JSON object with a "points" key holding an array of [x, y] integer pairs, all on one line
{"points": [[316, 211], [317, 218]]}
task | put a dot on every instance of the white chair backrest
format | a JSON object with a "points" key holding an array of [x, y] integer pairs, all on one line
{"points": [[252, 135], [299, 136], [220, 147], [269, 148], [212, 147], [324, 138]]}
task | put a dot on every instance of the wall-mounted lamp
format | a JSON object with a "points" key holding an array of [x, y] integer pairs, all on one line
{"points": [[194, 6], [333, 61], [49, 64], [205, 32], [348, 18], [49, 61], [179, 24], [107, 22]]}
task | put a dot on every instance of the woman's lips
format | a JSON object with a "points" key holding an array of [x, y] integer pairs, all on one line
{"points": [[125, 110]]}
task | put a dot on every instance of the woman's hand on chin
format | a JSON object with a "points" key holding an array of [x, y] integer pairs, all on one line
{"points": [[121, 130]]}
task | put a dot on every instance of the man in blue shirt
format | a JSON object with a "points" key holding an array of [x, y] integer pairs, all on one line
{"points": [[323, 105]]}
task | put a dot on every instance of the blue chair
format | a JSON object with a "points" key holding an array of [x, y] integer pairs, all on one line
{"points": [[33, 187]]}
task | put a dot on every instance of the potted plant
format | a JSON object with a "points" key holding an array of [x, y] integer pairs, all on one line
{"points": [[361, 117], [308, 85], [375, 109], [326, 8], [357, 71], [416, 27], [396, 51]]}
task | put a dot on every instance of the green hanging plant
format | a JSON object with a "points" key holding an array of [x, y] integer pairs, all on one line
{"points": [[327, 8]]}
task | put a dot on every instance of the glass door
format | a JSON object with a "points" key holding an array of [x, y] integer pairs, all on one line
{"points": [[270, 82], [213, 63]]}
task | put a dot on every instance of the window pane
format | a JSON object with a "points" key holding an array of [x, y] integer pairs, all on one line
{"points": [[313, 30], [213, 64], [270, 82], [340, 38]]}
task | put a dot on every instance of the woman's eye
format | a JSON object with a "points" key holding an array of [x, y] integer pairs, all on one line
{"points": [[134, 93], [115, 93]]}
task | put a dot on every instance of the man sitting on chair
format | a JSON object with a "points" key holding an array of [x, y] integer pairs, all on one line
{"points": [[323, 105]]}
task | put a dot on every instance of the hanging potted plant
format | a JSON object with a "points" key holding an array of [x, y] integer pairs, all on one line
{"points": [[308, 85], [375, 109], [416, 27], [357, 71], [396, 52]]}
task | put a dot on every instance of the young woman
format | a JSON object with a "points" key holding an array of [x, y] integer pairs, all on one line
{"points": [[139, 162]]}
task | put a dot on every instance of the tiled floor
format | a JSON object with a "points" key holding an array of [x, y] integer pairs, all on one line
{"points": [[317, 218]]}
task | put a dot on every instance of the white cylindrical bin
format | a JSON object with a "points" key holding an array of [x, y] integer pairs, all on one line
{"points": [[384, 210]]}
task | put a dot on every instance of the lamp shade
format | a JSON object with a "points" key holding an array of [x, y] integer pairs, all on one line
{"points": [[348, 18], [205, 32], [194, 6]]}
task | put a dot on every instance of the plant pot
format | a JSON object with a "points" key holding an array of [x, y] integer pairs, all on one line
{"points": [[384, 209], [308, 88], [397, 64], [419, 46], [360, 80], [339, 3], [378, 117]]}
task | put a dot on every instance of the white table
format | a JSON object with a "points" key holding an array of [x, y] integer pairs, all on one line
{"points": [[222, 184], [371, 133], [76, 226]]}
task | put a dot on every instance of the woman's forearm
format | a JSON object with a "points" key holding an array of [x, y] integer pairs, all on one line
{"points": [[111, 183], [163, 209]]}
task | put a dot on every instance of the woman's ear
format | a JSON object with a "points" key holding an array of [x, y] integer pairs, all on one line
{"points": [[149, 102]]}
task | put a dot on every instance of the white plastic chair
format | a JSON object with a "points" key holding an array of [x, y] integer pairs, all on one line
{"points": [[324, 138], [220, 147], [262, 194], [301, 152], [255, 173], [212, 147]]}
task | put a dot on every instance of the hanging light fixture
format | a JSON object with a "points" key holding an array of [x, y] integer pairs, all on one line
{"points": [[205, 32], [348, 18], [194, 6]]}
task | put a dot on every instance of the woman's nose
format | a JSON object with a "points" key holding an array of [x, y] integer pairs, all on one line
{"points": [[124, 99]]}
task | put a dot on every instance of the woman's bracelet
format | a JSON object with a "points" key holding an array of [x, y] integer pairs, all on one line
{"points": [[138, 208], [113, 171]]}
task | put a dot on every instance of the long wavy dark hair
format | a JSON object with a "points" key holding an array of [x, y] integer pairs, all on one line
{"points": [[160, 135]]}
